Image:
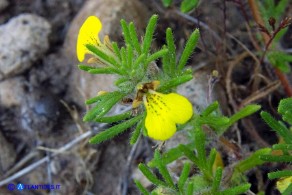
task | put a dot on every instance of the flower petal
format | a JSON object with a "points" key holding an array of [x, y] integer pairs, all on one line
{"points": [[163, 112], [88, 34], [283, 183], [158, 126], [182, 109]]}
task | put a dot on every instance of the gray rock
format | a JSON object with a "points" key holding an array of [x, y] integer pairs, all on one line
{"points": [[11, 91], [3, 5], [23, 40]]}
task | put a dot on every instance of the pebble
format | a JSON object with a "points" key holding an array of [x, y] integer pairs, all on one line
{"points": [[11, 91], [23, 40]]}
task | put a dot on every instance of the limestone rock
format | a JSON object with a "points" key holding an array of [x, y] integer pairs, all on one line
{"points": [[11, 91], [23, 40], [110, 12]]}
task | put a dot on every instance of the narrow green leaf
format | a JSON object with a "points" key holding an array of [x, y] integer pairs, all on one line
{"points": [[189, 48], [149, 34], [244, 112], [217, 180], [164, 87], [112, 119], [184, 176], [141, 188], [188, 5], [102, 108], [271, 158], [163, 170], [200, 140], [171, 51], [85, 67], [279, 174], [285, 105], [211, 108], [166, 63], [114, 131], [126, 32], [214, 121], [188, 153], [236, 190], [287, 117], [107, 70], [281, 6], [282, 146], [116, 50], [252, 161], [150, 176], [130, 55], [102, 97], [278, 127], [136, 133], [101, 55], [134, 38], [211, 159], [166, 3], [124, 59], [121, 80], [170, 156], [280, 60], [140, 60], [156, 55], [190, 188]]}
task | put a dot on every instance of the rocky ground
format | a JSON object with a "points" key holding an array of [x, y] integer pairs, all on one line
{"points": [[42, 91]]}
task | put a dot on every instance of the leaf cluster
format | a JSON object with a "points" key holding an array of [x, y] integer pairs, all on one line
{"points": [[272, 12], [133, 64], [271, 8], [208, 180], [282, 152]]}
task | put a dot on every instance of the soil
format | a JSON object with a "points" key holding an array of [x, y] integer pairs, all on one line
{"points": [[50, 118]]}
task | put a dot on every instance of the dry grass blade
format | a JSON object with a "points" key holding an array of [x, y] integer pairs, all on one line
{"points": [[31, 167], [260, 93]]}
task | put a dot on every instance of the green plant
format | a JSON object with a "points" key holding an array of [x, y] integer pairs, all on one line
{"points": [[138, 79], [208, 178], [136, 71], [281, 152], [268, 15]]}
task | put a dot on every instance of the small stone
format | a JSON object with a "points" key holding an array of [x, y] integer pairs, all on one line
{"points": [[197, 91], [3, 5], [11, 91], [40, 112], [23, 40]]}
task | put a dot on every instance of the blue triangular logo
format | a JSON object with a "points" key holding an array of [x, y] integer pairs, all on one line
{"points": [[20, 187]]}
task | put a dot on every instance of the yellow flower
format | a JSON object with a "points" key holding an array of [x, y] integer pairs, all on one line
{"points": [[88, 34], [164, 111], [283, 183]]}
